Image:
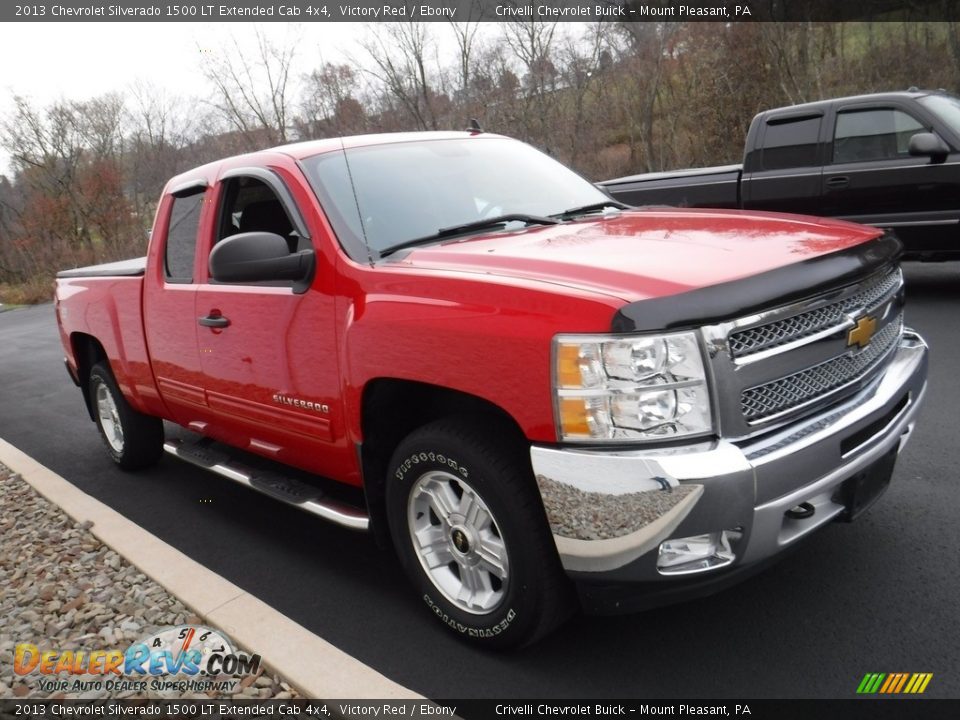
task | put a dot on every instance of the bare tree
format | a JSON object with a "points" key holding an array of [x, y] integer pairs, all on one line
{"points": [[11, 270], [792, 49], [399, 54], [581, 57], [99, 188], [331, 104], [953, 34], [253, 94], [465, 34], [531, 42], [160, 128], [644, 67], [494, 88], [46, 151]]}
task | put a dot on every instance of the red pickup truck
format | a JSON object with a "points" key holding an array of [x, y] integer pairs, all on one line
{"points": [[541, 398]]}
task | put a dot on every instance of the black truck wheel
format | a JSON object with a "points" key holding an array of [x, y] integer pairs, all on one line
{"points": [[470, 531], [133, 440]]}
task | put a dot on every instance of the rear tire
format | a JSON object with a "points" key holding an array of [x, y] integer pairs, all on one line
{"points": [[469, 528], [133, 440]]}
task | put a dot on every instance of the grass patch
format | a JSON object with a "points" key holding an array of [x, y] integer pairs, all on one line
{"points": [[33, 291]]}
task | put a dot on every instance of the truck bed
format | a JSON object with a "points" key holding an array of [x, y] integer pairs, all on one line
{"points": [[123, 268], [102, 304], [716, 187]]}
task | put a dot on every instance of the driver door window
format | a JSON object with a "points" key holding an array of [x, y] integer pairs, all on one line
{"points": [[250, 205], [878, 134]]}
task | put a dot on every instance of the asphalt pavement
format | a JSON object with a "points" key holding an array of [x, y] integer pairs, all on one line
{"points": [[878, 595]]}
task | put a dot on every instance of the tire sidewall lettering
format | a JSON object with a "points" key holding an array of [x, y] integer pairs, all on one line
{"points": [[468, 630], [500, 620], [458, 450], [416, 458]]}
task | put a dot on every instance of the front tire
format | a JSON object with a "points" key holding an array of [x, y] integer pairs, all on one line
{"points": [[133, 440], [469, 528]]}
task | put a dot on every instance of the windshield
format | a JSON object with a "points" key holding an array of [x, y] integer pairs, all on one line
{"points": [[410, 190], [946, 107]]}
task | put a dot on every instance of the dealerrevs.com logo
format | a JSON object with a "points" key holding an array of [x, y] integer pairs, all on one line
{"points": [[894, 683], [177, 659]]}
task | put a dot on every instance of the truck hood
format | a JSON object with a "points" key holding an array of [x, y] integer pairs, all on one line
{"points": [[646, 253]]}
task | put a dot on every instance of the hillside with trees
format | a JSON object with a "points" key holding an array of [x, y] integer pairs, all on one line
{"points": [[608, 99]]}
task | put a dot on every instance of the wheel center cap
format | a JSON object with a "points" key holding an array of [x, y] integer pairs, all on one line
{"points": [[460, 540]]}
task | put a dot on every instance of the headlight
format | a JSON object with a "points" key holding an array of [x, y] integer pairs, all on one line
{"points": [[630, 388]]}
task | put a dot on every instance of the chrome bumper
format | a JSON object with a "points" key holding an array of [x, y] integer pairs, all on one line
{"points": [[609, 511]]}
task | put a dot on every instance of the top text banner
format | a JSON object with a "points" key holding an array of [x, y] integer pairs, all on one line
{"points": [[479, 10]]}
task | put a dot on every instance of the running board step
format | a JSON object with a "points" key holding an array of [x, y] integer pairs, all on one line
{"points": [[288, 490]]}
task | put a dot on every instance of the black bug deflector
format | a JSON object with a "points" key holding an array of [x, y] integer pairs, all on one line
{"points": [[738, 298]]}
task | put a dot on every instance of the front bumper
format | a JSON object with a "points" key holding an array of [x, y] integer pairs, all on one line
{"points": [[610, 510]]}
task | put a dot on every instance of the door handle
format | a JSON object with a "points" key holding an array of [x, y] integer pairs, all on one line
{"points": [[213, 321], [835, 183]]}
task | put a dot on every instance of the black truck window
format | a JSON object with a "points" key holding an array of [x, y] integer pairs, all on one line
{"points": [[182, 237], [251, 205], [877, 134], [791, 143]]}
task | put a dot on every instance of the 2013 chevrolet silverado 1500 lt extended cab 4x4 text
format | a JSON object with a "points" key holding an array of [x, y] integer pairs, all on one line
{"points": [[539, 397], [891, 160]]}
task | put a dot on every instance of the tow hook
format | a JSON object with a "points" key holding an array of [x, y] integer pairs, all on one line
{"points": [[801, 511]]}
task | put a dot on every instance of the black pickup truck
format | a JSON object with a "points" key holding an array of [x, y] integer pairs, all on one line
{"points": [[889, 159]]}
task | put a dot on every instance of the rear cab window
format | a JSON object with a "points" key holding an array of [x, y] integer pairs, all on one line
{"points": [[791, 142], [180, 248]]}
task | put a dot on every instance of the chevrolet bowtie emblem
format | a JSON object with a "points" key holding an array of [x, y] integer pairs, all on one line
{"points": [[861, 333]]}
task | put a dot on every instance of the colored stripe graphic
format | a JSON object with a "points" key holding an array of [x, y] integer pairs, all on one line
{"points": [[903, 680], [892, 679], [870, 683], [894, 683]]}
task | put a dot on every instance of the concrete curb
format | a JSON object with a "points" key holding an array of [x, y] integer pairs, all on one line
{"points": [[315, 667]]}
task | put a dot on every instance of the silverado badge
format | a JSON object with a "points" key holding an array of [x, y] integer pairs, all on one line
{"points": [[861, 333]]}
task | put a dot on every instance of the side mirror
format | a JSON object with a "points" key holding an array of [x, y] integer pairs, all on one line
{"points": [[260, 256], [928, 144]]}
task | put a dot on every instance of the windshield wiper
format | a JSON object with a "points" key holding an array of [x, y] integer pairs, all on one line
{"points": [[592, 207], [469, 227]]}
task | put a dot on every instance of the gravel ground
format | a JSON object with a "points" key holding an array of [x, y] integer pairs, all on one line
{"points": [[62, 589]]}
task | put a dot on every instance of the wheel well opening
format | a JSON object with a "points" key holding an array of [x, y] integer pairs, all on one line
{"points": [[87, 351], [391, 409]]}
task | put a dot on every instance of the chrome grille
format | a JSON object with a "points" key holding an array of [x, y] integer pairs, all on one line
{"points": [[772, 398], [797, 327]]}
